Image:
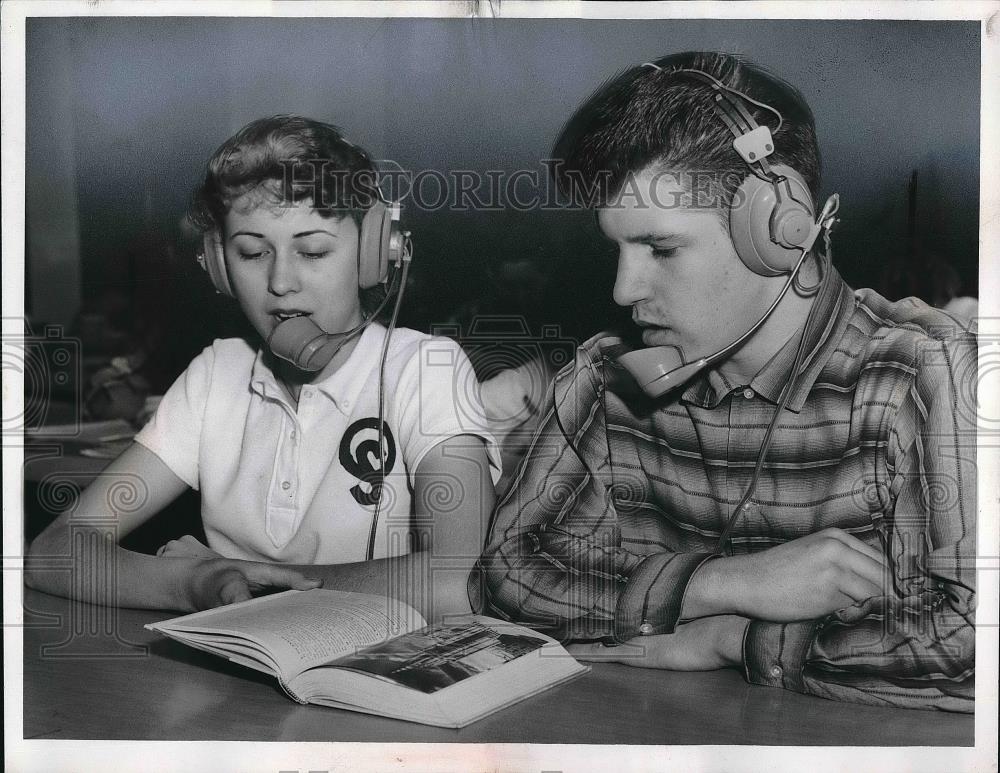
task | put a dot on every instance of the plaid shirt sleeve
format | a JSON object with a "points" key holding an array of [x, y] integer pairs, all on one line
{"points": [[913, 647], [554, 557]]}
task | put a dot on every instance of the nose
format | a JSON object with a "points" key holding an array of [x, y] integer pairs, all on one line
{"points": [[283, 277], [630, 283]]}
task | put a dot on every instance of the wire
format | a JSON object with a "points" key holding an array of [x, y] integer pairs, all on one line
{"points": [[405, 258], [726, 351], [719, 84], [782, 402]]}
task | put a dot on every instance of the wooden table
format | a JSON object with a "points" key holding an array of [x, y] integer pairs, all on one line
{"points": [[115, 680]]}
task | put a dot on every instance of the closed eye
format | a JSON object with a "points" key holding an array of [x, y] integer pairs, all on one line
{"points": [[314, 255], [664, 252]]}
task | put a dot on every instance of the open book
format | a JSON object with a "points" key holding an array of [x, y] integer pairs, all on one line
{"points": [[377, 655]]}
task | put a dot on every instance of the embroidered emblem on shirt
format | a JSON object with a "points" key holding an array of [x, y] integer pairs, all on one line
{"points": [[359, 456]]}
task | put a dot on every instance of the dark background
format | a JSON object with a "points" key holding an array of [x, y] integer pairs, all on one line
{"points": [[123, 112]]}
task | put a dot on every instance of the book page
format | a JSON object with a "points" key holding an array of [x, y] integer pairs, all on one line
{"points": [[305, 628]]}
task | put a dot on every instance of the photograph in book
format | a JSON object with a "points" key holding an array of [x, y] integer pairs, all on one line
{"points": [[440, 655]]}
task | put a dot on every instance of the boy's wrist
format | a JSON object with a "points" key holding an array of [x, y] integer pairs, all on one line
{"points": [[718, 587]]}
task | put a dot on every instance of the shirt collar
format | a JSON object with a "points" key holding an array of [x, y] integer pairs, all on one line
{"points": [[342, 386], [832, 310]]}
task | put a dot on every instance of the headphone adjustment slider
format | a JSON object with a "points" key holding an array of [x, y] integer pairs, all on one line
{"points": [[755, 145]]}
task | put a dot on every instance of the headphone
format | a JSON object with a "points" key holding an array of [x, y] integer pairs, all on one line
{"points": [[380, 244]]}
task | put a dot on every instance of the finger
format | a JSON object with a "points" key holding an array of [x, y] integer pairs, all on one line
{"points": [[632, 652], [858, 545], [280, 577], [592, 651], [234, 588], [874, 574], [859, 588]]}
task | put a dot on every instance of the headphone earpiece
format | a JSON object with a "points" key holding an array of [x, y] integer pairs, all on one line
{"points": [[213, 260], [380, 243], [772, 222]]}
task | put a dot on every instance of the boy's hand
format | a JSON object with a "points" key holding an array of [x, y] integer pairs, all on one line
{"points": [[814, 576], [186, 547], [802, 579], [704, 644], [218, 581]]}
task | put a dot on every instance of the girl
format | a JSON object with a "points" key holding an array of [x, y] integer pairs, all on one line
{"points": [[332, 451]]}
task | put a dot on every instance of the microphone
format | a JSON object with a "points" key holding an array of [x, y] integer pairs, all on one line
{"points": [[306, 345], [659, 369]]}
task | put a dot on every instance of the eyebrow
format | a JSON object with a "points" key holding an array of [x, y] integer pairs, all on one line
{"points": [[652, 238], [294, 236], [314, 231]]}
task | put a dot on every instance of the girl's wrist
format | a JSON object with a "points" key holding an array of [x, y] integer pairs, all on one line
{"points": [[182, 577]]}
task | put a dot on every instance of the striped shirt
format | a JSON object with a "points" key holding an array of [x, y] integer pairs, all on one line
{"points": [[597, 538]]}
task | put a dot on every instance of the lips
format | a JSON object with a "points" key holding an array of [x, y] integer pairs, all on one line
{"points": [[283, 314]]}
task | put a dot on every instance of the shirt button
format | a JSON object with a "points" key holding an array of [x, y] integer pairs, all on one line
{"points": [[776, 672], [748, 394], [646, 629], [286, 485], [307, 393], [347, 403], [293, 435]]}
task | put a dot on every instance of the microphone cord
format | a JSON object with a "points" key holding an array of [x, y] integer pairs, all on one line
{"points": [[825, 273], [407, 255]]}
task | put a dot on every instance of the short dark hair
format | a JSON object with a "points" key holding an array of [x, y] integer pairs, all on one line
{"points": [[657, 117], [285, 160]]}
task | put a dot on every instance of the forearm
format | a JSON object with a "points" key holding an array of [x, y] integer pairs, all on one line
{"points": [[77, 555], [89, 567], [720, 586], [434, 591]]}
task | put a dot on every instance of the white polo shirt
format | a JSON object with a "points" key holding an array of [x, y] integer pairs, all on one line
{"points": [[299, 484]]}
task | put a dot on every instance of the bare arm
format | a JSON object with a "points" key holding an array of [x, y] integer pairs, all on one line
{"points": [[133, 489]]}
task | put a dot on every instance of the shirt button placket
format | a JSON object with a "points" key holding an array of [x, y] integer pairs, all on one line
{"points": [[289, 460]]}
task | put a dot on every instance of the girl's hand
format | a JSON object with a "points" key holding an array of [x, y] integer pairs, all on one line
{"points": [[186, 547], [217, 581]]}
